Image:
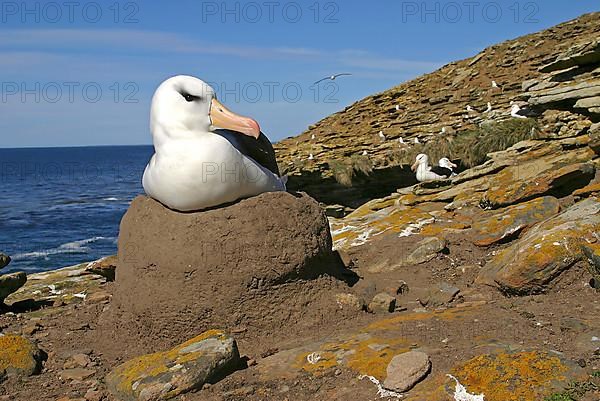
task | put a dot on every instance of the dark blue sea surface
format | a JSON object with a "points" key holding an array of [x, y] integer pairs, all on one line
{"points": [[63, 206]]}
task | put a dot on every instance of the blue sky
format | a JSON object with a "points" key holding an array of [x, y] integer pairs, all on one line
{"points": [[83, 73]]}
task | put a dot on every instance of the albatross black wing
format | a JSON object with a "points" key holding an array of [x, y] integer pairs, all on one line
{"points": [[441, 171], [261, 149]]}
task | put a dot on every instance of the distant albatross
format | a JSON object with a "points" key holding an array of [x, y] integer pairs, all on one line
{"points": [[425, 172], [195, 165], [332, 77]]}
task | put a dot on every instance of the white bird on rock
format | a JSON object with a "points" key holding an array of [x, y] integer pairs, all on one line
{"points": [[517, 112], [381, 135], [425, 172], [401, 141], [195, 165], [489, 108], [470, 109], [417, 142], [444, 162], [311, 157]]}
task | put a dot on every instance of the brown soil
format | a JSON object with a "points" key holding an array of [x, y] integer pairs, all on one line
{"points": [[219, 269], [533, 321]]}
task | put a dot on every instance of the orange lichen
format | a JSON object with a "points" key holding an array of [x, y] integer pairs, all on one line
{"points": [[512, 377], [17, 353], [367, 356], [448, 314]]}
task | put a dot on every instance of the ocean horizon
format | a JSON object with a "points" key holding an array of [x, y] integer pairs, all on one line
{"points": [[62, 205]]}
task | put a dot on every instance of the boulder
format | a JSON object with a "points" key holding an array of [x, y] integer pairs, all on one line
{"points": [[496, 226], [10, 283], [406, 370], [382, 303], [4, 260], [263, 262], [19, 356], [162, 376], [545, 251], [104, 267], [558, 173], [579, 55]]}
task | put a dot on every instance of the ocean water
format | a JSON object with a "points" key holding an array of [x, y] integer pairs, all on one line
{"points": [[63, 206]]}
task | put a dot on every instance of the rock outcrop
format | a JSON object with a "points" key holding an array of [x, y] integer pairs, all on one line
{"points": [[545, 251], [261, 262]]}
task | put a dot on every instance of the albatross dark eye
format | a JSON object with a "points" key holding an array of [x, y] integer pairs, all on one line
{"points": [[190, 98]]}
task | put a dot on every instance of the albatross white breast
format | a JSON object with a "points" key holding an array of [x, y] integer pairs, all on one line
{"points": [[195, 165], [425, 172]]}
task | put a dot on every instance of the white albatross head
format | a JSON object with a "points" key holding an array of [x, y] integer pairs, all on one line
{"points": [[185, 107], [422, 159], [445, 162]]}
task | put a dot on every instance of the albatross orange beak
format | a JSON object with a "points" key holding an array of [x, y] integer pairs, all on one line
{"points": [[222, 117], [414, 166]]}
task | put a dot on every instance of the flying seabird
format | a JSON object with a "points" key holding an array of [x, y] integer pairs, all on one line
{"points": [[332, 77], [427, 173], [197, 166], [444, 162]]}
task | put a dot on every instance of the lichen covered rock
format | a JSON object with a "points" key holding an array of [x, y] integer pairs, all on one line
{"points": [[165, 375], [10, 283], [498, 225], [19, 356], [546, 250]]}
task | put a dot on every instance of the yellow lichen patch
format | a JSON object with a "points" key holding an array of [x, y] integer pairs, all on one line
{"points": [[316, 362], [358, 229], [363, 354], [588, 190], [512, 377], [17, 353], [448, 314], [155, 364], [497, 225], [371, 357]]}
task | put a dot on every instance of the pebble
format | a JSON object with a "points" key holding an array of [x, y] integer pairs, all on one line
{"points": [[406, 370]]}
